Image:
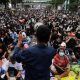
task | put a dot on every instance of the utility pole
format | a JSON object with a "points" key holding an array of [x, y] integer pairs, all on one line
{"points": [[55, 4], [68, 2], [65, 5]]}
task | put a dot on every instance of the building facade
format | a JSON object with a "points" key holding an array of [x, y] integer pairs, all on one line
{"points": [[37, 4]]}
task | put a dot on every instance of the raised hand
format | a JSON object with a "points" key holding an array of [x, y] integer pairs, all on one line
{"points": [[20, 39]]}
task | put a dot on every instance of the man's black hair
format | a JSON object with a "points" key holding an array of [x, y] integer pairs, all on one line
{"points": [[43, 33]]}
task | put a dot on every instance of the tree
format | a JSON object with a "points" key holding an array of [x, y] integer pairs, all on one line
{"points": [[56, 2], [19, 1], [14, 2], [5, 2], [74, 5]]}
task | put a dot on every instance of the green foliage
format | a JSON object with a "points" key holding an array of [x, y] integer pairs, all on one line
{"points": [[19, 1], [74, 5], [16, 1], [4, 1], [13, 1], [56, 2]]}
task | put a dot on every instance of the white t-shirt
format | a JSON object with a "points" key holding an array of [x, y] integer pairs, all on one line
{"points": [[17, 65], [5, 64]]}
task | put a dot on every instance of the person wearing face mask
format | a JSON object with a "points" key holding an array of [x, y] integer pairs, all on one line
{"points": [[60, 64], [64, 48]]}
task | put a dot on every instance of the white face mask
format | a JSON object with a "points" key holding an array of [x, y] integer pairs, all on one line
{"points": [[61, 53]]}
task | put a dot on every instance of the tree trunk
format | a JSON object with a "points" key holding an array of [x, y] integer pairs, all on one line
{"points": [[6, 5]]}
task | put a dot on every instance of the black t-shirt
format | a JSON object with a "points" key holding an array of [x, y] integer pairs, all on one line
{"points": [[3, 49], [77, 52], [12, 71], [78, 35]]}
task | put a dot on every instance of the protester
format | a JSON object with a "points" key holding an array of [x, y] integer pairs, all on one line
{"points": [[60, 64], [36, 67], [14, 70], [65, 36], [3, 62]]}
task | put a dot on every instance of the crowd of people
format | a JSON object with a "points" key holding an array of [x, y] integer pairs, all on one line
{"points": [[35, 43]]}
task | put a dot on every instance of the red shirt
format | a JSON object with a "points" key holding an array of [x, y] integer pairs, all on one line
{"points": [[62, 62]]}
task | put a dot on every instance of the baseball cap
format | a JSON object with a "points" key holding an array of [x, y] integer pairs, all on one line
{"points": [[63, 44]]}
